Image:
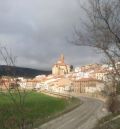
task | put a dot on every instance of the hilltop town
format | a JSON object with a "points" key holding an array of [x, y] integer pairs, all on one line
{"points": [[90, 79]]}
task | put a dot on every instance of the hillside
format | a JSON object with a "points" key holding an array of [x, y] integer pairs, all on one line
{"points": [[19, 71]]}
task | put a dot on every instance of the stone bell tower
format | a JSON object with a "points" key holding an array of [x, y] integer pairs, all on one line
{"points": [[62, 58]]}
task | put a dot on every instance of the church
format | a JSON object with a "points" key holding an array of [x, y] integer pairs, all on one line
{"points": [[60, 68]]}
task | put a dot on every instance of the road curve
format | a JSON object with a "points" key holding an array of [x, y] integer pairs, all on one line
{"points": [[83, 117]]}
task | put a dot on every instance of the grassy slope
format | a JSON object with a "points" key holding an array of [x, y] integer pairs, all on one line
{"points": [[38, 108], [112, 124]]}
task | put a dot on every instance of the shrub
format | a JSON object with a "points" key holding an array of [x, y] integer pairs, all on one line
{"points": [[113, 104]]}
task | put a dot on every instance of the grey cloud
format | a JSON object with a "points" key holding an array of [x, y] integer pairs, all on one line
{"points": [[36, 32]]}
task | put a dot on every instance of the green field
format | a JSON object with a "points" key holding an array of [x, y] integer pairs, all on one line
{"points": [[36, 109]]}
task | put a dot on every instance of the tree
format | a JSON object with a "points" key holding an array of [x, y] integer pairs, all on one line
{"points": [[9, 88], [102, 31], [71, 68]]}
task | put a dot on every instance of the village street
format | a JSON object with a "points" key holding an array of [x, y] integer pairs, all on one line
{"points": [[83, 117]]}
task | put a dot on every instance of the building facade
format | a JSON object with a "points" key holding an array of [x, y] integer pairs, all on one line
{"points": [[88, 85]]}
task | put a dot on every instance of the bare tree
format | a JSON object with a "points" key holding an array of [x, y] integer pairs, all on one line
{"points": [[101, 30], [9, 87]]}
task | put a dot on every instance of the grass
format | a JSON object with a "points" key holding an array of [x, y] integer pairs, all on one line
{"points": [[108, 123], [37, 109]]}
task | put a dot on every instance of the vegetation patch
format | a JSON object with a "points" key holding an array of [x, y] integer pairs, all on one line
{"points": [[109, 122], [36, 109]]}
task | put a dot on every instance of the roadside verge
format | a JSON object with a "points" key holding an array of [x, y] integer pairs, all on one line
{"points": [[111, 121]]}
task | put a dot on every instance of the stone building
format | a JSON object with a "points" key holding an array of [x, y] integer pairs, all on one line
{"points": [[88, 85], [60, 68]]}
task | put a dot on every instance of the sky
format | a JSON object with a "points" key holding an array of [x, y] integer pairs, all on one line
{"points": [[38, 31]]}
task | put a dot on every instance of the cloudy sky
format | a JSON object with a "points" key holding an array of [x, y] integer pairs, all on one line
{"points": [[36, 31]]}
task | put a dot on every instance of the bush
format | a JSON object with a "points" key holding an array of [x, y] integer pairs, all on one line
{"points": [[113, 104]]}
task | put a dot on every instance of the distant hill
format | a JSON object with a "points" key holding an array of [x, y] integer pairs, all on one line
{"points": [[21, 72]]}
